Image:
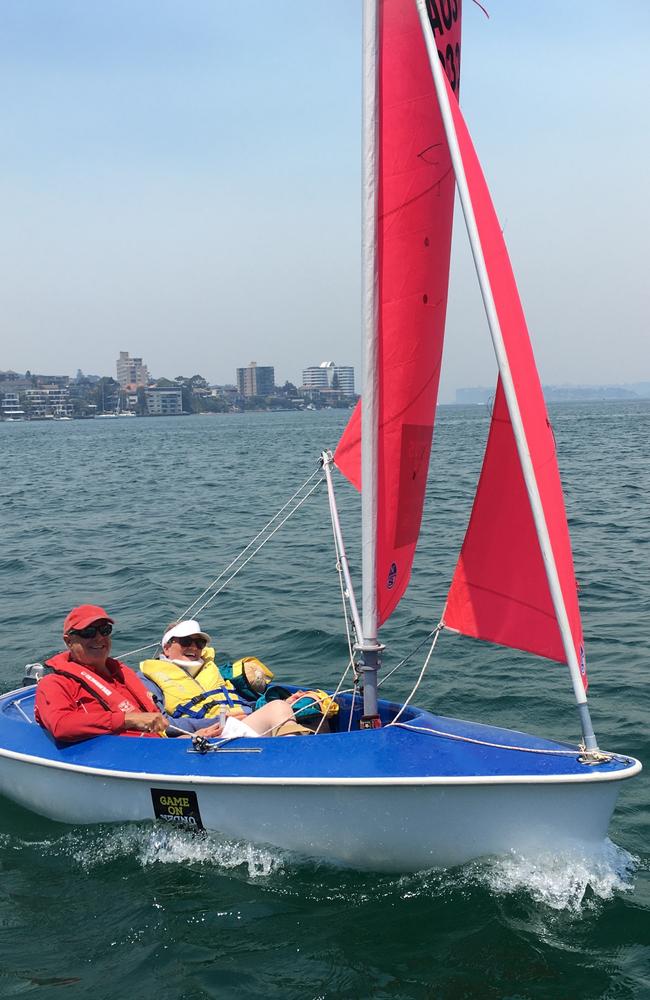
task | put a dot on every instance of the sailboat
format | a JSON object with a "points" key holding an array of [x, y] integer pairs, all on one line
{"points": [[104, 415], [119, 412], [393, 787]]}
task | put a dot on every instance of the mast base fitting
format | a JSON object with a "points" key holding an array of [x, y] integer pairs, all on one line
{"points": [[369, 722], [593, 757]]}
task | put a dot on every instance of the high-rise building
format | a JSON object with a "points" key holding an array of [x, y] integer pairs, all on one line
{"points": [[131, 371], [329, 375], [256, 380]]}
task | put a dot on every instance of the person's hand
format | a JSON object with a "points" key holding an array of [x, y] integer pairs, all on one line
{"points": [[293, 698], [209, 732], [145, 722]]}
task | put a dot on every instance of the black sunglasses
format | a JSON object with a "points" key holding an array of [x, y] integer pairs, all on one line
{"points": [[189, 640], [90, 631]]}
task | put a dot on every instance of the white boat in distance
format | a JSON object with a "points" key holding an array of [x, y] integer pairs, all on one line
{"points": [[393, 787]]}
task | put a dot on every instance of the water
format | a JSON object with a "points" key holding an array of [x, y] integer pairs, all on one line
{"points": [[139, 516]]}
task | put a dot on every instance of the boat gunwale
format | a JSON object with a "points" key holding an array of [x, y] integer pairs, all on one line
{"points": [[589, 776]]}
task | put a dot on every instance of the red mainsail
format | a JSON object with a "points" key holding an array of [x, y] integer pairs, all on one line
{"points": [[415, 195], [500, 591]]}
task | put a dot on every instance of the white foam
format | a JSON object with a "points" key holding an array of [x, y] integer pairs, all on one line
{"points": [[569, 881], [168, 845], [566, 880], [160, 844]]}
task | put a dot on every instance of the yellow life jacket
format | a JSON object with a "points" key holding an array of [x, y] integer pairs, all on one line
{"points": [[202, 697], [249, 675]]}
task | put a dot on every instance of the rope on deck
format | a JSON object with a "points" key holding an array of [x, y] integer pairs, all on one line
{"points": [[602, 758]]}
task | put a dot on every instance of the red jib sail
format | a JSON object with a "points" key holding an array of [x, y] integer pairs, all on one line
{"points": [[415, 187], [500, 591]]}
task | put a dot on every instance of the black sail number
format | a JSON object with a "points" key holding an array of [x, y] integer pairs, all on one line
{"points": [[450, 60]]}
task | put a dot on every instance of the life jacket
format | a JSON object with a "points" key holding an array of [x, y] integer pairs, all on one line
{"points": [[108, 697], [312, 706], [249, 676], [202, 697]]}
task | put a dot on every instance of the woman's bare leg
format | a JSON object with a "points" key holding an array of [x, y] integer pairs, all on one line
{"points": [[269, 717]]}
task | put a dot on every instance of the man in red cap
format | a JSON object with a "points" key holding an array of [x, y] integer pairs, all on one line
{"points": [[88, 693]]}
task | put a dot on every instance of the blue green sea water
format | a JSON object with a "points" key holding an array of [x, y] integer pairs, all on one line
{"points": [[139, 515]]}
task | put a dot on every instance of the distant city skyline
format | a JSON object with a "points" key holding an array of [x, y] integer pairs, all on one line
{"points": [[34, 396], [252, 379], [186, 180], [246, 381]]}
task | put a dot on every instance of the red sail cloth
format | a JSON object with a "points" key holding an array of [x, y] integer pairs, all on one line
{"points": [[499, 591], [415, 209]]}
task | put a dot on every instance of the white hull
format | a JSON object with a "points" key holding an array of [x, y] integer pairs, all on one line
{"points": [[377, 825]]}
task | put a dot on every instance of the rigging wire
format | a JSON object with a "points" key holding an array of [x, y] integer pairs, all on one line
{"points": [[255, 551], [349, 625], [193, 606], [406, 658], [436, 633], [216, 580]]}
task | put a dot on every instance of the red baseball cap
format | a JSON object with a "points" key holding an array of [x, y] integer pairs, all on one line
{"points": [[84, 615]]}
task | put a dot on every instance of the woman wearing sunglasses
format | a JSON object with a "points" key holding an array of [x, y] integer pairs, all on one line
{"points": [[188, 687], [87, 692]]}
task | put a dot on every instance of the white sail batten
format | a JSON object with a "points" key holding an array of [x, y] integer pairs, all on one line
{"points": [[507, 382], [370, 398]]}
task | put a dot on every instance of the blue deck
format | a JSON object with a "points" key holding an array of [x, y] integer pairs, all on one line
{"points": [[391, 752]]}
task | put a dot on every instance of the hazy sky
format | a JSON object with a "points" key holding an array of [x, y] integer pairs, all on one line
{"points": [[181, 180]]}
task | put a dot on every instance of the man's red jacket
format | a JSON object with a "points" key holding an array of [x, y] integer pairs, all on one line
{"points": [[73, 710]]}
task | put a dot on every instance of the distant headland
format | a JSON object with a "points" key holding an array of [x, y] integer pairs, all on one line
{"points": [[563, 393]]}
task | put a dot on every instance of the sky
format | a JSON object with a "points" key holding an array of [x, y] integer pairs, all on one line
{"points": [[182, 181]]}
